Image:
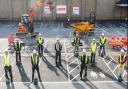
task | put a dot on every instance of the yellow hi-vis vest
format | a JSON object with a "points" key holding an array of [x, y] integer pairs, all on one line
{"points": [[77, 40], [86, 58], [102, 40], [40, 40], [6, 60], [120, 61], [34, 59], [93, 47]]}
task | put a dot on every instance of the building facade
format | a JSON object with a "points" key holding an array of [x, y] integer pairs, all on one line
{"points": [[64, 9]]}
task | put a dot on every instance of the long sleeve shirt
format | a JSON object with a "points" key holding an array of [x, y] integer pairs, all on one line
{"points": [[17, 46], [58, 47]]}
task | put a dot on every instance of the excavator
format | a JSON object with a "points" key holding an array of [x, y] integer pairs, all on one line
{"points": [[26, 23]]}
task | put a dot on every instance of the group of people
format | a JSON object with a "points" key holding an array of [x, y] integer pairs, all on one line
{"points": [[34, 58], [58, 48], [84, 56], [93, 46]]}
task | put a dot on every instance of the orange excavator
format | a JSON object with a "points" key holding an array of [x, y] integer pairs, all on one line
{"points": [[26, 24]]}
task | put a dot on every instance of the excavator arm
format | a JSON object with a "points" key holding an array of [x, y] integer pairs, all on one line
{"points": [[26, 24]]}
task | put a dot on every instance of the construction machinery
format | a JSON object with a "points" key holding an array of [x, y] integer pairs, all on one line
{"points": [[26, 23], [26, 27], [83, 27]]}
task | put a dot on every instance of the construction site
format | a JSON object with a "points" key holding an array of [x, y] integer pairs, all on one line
{"points": [[48, 44]]}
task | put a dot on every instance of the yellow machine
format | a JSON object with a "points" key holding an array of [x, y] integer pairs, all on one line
{"points": [[85, 27]]}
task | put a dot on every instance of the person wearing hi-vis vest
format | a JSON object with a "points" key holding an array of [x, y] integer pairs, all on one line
{"points": [[93, 51], [102, 44], [76, 44], [84, 63], [17, 47], [40, 42], [58, 49], [35, 65], [7, 66], [121, 61]]}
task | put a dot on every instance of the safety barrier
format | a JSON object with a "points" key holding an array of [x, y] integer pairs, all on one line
{"points": [[118, 41]]}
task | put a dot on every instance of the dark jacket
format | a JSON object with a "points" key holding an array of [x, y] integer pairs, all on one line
{"points": [[17, 46], [60, 47], [76, 40]]}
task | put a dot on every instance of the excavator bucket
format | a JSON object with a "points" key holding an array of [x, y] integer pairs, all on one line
{"points": [[83, 27]]}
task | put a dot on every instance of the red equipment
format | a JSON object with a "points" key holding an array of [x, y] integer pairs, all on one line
{"points": [[11, 39], [118, 41]]}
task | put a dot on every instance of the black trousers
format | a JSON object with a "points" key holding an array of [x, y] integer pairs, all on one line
{"points": [[8, 69], [102, 46], [76, 52], [58, 58], [35, 67], [18, 56], [40, 50], [76, 48], [83, 68], [93, 57]]}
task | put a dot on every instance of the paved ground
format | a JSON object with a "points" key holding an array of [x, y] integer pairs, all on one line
{"points": [[104, 75]]}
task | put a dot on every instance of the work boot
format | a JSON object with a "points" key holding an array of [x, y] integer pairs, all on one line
{"points": [[61, 65], [120, 78], [92, 65], [57, 66], [35, 81], [81, 78]]}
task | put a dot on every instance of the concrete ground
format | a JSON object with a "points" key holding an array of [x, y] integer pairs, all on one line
{"points": [[103, 75]]}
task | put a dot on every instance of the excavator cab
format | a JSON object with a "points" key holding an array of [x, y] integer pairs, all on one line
{"points": [[25, 19], [25, 24]]}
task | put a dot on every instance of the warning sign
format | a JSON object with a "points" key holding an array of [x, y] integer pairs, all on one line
{"points": [[61, 9], [47, 10], [76, 11]]}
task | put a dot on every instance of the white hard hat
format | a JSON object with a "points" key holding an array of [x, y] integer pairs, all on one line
{"points": [[57, 39], [34, 51], [16, 40], [39, 34], [102, 34], [6, 50], [84, 50], [76, 34], [122, 51], [20, 24], [94, 39], [68, 19]]}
